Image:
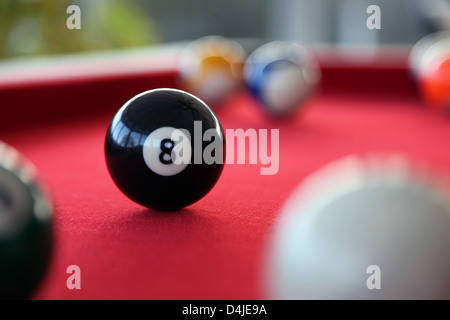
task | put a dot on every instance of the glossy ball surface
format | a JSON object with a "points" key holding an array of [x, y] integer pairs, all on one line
{"points": [[25, 226], [159, 150]]}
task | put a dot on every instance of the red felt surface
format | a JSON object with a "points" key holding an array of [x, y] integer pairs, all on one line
{"points": [[214, 249]]}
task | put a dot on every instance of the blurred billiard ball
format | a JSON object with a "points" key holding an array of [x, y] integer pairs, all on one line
{"points": [[25, 226], [211, 68], [418, 55], [363, 228], [429, 69], [165, 149], [434, 82], [281, 75]]}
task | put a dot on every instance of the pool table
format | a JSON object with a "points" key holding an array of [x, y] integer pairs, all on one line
{"points": [[56, 112]]}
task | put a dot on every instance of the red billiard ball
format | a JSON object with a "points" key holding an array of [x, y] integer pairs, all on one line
{"points": [[434, 82], [425, 49]]}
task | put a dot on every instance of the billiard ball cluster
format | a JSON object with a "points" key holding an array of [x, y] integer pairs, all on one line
{"points": [[352, 217], [25, 226], [363, 228], [141, 150], [430, 68], [165, 150], [280, 75]]}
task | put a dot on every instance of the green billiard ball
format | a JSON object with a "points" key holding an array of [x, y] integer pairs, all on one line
{"points": [[25, 226]]}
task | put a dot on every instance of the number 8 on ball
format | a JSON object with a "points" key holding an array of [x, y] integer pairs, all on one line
{"points": [[149, 151]]}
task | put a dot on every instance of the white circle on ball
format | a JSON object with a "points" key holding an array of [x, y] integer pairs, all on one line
{"points": [[284, 88], [167, 151], [217, 86]]}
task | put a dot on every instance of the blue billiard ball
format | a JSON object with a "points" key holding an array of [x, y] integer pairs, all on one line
{"points": [[281, 75]]}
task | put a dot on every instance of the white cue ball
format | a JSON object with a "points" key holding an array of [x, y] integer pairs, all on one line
{"points": [[361, 212]]}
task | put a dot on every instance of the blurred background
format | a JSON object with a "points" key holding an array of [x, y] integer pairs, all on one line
{"points": [[38, 27]]}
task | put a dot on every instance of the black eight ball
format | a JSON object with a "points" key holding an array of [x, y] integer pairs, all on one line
{"points": [[165, 149]]}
